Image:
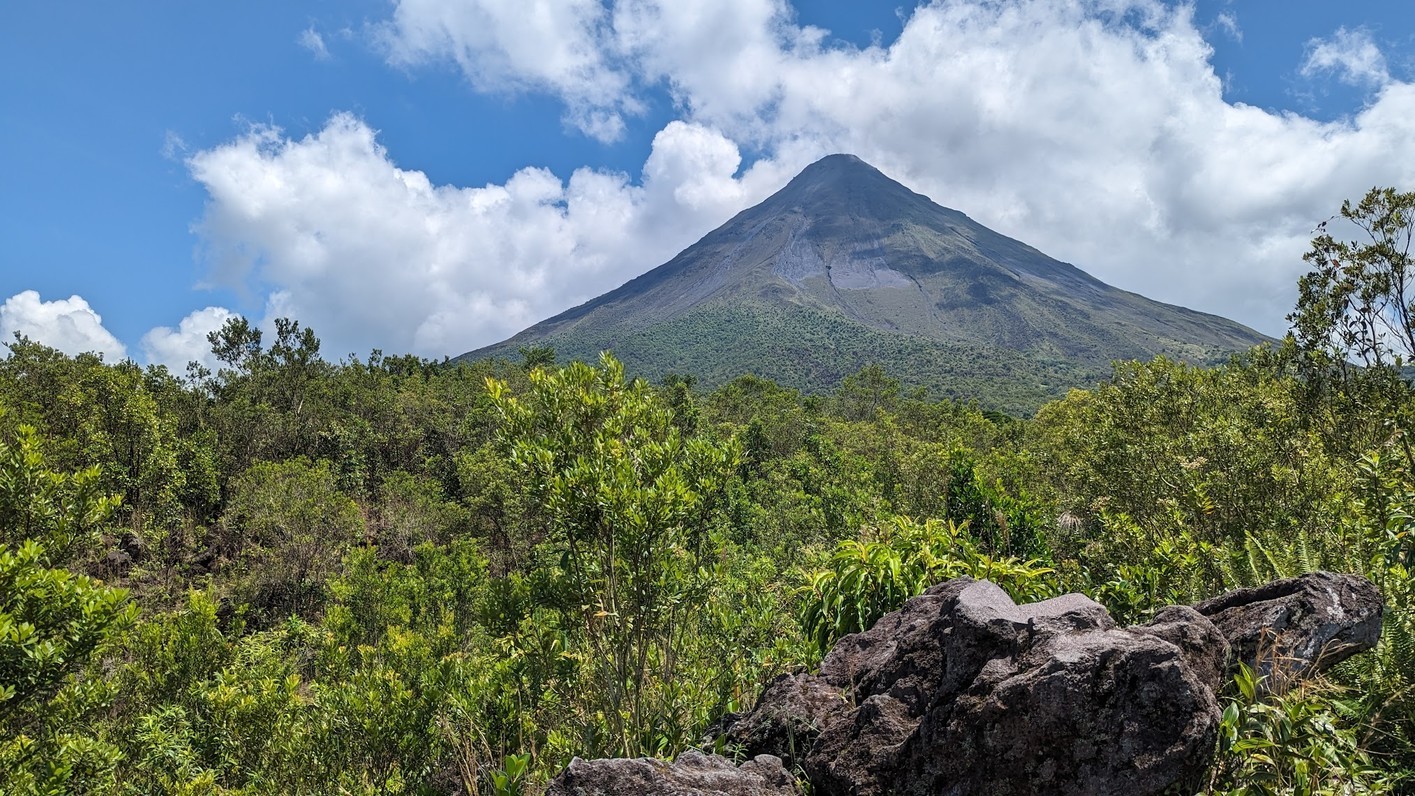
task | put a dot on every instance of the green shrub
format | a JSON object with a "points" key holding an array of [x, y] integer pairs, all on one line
{"points": [[864, 579]]}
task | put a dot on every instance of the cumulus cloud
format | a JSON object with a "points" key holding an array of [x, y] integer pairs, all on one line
{"points": [[511, 45], [1350, 55], [175, 348], [372, 255], [1095, 130], [69, 325]]}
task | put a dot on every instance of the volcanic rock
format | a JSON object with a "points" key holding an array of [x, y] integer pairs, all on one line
{"points": [[962, 691], [1298, 627], [692, 774]]}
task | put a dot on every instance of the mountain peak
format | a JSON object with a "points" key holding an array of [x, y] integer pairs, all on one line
{"points": [[836, 171], [838, 162], [844, 182]]}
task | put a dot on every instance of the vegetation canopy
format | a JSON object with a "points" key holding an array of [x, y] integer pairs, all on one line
{"points": [[400, 576]]}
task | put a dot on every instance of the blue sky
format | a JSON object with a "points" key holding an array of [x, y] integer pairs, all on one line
{"points": [[431, 176]]}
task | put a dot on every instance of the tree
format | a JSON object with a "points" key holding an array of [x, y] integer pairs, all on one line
{"points": [[1358, 302], [61, 511], [288, 526], [628, 502], [866, 392], [535, 356], [678, 392], [237, 343], [1354, 324], [270, 404], [52, 621]]}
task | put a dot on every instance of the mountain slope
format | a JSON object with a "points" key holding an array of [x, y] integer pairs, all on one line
{"points": [[844, 267]]}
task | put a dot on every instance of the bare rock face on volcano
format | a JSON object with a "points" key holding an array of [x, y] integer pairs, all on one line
{"points": [[845, 267]]}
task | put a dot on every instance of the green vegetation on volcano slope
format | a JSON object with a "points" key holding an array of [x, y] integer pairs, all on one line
{"points": [[805, 348]]}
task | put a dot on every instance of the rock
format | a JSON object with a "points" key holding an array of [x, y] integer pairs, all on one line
{"points": [[1096, 712], [1204, 647], [861, 753], [692, 774], [936, 642], [1298, 627], [133, 545], [788, 717], [116, 564], [962, 691]]}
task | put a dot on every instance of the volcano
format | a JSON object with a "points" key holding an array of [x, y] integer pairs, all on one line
{"points": [[845, 267]]}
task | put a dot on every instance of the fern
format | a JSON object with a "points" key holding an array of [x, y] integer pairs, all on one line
{"points": [[1271, 555], [864, 579]]}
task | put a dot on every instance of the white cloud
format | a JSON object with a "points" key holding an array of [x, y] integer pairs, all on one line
{"points": [[187, 343], [371, 255], [69, 325], [1227, 21], [311, 40], [512, 45], [1351, 55], [1095, 130], [173, 147], [723, 59]]}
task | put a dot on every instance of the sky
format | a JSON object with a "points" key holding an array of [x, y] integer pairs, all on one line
{"points": [[431, 176]]}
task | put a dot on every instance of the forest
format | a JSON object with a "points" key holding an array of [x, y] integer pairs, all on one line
{"points": [[396, 575]]}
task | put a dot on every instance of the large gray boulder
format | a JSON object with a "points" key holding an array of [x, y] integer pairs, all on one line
{"points": [[692, 774], [790, 715], [962, 691]]}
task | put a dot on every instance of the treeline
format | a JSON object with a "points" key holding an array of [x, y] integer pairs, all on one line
{"points": [[402, 576]]}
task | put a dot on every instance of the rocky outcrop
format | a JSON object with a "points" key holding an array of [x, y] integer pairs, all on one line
{"points": [[1298, 627], [692, 774], [962, 691]]}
